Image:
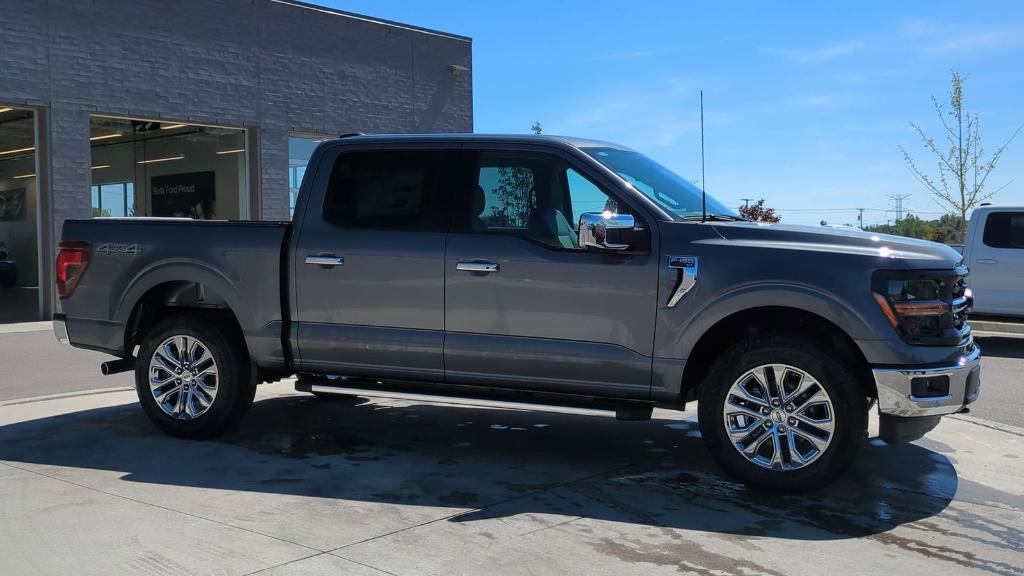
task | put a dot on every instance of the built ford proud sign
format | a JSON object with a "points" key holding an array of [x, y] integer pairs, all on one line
{"points": [[191, 195]]}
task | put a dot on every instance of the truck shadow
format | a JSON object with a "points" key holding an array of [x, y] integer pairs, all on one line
{"points": [[478, 463]]}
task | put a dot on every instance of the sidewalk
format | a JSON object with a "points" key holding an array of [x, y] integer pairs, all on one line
{"points": [[375, 487]]}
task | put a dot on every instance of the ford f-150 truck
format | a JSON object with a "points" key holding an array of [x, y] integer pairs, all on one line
{"points": [[542, 271]]}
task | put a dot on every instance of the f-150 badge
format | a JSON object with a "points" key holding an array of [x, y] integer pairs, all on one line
{"points": [[686, 278]]}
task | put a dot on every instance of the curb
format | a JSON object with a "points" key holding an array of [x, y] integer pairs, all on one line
{"points": [[15, 328], [64, 395], [999, 427], [1003, 327]]}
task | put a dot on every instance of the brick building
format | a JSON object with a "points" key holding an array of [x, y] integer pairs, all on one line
{"points": [[203, 108]]}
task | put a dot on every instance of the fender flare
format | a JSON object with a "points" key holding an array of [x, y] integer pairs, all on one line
{"points": [[178, 271], [772, 295]]}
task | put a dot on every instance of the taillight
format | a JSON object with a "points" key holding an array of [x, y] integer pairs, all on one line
{"points": [[72, 260]]}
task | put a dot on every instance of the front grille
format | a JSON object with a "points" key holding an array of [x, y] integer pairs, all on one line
{"points": [[950, 328]]}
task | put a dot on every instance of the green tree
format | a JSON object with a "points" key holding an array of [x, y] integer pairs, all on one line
{"points": [[537, 128], [515, 198], [758, 213], [100, 212], [963, 169], [910, 226], [947, 229]]}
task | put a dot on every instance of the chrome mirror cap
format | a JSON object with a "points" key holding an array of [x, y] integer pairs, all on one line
{"points": [[594, 226]]}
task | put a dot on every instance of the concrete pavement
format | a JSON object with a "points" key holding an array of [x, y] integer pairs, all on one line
{"points": [[1002, 380], [87, 486]]}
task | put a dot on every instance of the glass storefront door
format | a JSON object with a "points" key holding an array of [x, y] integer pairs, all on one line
{"points": [[19, 217]]}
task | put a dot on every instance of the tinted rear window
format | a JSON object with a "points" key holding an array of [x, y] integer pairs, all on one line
{"points": [[1004, 230], [393, 189]]}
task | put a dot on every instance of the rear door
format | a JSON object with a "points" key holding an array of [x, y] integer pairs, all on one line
{"points": [[369, 268], [997, 264], [526, 306]]}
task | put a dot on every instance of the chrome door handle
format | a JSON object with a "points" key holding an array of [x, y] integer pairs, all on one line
{"points": [[325, 260], [987, 261], [483, 267]]}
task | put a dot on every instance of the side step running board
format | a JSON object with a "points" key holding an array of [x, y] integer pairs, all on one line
{"points": [[623, 410]]}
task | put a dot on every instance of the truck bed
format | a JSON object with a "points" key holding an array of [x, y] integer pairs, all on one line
{"points": [[140, 262]]}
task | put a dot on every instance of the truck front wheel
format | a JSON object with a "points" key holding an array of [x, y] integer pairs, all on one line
{"points": [[193, 377], [780, 412]]}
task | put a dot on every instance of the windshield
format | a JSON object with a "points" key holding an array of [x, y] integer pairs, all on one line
{"points": [[663, 186]]}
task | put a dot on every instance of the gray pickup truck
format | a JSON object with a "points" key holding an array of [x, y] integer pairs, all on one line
{"points": [[539, 271]]}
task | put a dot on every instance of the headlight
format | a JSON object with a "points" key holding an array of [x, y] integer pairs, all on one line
{"points": [[925, 307]]}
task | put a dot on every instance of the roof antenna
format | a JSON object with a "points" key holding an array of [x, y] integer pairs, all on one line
{"points": [[703, 184]]}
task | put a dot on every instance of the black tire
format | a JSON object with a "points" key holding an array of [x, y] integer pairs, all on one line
{"points": [[235, 382], [846, 395]]}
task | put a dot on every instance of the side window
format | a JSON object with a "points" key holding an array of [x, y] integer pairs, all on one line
{"points": [[537, 196], [1004, 230], [394, 189], [509, 196], [587, 197]]}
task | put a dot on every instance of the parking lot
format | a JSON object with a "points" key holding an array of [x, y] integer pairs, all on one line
{"points": [[87, 486]]}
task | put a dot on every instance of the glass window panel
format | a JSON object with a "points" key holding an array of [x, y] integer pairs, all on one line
{"points": [[147, 168], [300, 149], [387, 190]]}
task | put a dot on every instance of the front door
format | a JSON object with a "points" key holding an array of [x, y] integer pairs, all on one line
{"points": [[368, 264], [525, 305]]}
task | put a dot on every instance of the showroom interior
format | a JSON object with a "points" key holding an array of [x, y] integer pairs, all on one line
{"points": [[19, 216], [210, 111], [137, 168]]}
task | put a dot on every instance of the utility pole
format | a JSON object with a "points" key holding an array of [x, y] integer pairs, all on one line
{"points": [[860, 218], [898, 199], [746, 202]]}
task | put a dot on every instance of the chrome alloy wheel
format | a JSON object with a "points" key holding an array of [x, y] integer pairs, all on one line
{"points": [[183, 377], [779, 417]]}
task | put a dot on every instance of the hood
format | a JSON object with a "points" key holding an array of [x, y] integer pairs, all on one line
{"points": [[913, 253]]}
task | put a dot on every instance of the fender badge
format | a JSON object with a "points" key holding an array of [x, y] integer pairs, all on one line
{"points": [[686, 277]]}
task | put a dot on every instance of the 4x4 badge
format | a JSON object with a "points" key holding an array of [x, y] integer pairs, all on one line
{"points": [[113, 249], [686, 279]]}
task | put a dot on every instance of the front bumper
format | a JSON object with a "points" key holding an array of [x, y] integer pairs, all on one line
{"points": [[896, 388]]}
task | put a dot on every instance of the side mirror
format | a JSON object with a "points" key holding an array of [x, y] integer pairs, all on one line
{"points": [[594, 227]]}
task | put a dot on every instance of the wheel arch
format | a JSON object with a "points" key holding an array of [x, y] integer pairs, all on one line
{"points": [[732, 328], [164, 298]]}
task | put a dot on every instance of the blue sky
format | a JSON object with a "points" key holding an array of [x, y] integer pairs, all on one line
{"points": [[806, 103]]}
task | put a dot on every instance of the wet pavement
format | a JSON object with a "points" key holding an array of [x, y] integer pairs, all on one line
{"points": [[87, 486]]}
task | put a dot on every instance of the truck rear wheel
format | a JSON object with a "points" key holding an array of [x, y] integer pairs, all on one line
{"points": [[193, 377], [780, 412]]}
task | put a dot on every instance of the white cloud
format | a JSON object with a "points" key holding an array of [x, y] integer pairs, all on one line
{"points": [[634, 54], [818, 55], [657, 117], [821, 100], [944, 38]]}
